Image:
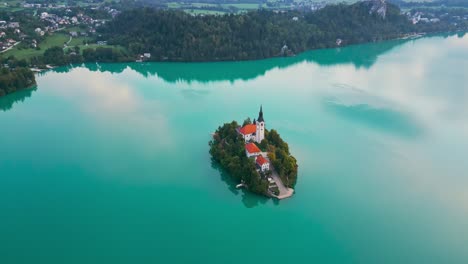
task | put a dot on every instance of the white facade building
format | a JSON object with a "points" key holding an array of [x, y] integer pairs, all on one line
{"points": [[260, 131], [255, 131], [262, 163]]}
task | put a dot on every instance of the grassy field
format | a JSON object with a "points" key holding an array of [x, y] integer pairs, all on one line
{"points": [[78, 41], [246, 6], [204, 12], [58, 39]]}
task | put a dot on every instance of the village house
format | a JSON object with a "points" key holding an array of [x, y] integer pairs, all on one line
{"points": [[13, 25], [248, 131], [251, 150], [262, 163]]}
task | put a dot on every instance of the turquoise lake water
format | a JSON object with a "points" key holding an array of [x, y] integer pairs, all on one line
{"points": [[109, 163]]}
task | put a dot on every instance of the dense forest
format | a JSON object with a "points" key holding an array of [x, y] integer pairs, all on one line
{"points": [[178, 36], [15, 79]]}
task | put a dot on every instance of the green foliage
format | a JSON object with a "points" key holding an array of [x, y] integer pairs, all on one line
{"points": [[284, 163], [103, 54], [247, 121], [178, 36], [228, 149], [57, 56], [54, 56], [13, 79]]}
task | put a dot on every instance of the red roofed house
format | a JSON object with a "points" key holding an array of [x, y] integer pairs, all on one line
{"points": [[252, 150], [248, 131], [262, 163], [255, 131]]}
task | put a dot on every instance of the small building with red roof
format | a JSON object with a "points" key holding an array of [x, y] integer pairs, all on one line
{"points": [[262, 163], [248, 131], [251, 150]]}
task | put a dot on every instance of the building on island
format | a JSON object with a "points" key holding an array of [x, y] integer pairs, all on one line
{"points": [[262, 163], [248, 132], [252, 133], [251, 150]]}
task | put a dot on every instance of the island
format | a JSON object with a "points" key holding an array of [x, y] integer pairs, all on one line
{"points": [[255, 157]]}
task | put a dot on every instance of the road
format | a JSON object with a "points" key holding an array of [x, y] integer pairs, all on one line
{"points": [[285, 192], [5, 50]]}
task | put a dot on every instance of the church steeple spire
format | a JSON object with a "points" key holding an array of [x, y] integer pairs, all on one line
{"points": [[260, 115]]}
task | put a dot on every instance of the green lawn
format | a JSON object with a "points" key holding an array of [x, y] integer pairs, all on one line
{"points": [[204, 12], [83, 47], [56, 39], [242, 6], [173, 5], [78, 41]]}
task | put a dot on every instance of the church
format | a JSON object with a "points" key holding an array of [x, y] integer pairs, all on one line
{"points": [[254, 131]]}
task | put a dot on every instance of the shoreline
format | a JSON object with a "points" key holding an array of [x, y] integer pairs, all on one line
{"points": [[412, 36], [31, 87]]}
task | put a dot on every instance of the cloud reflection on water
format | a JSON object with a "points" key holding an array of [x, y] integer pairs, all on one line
{"points": [[111, 100], [406, 93]]}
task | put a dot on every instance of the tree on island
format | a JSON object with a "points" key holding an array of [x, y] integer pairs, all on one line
{"points": [[278, 153]]}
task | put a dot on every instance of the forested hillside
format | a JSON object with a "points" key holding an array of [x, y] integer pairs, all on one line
{"points": [[178, 36]]}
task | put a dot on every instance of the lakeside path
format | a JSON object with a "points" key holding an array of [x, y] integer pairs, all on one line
{"points": [[285, 192]]}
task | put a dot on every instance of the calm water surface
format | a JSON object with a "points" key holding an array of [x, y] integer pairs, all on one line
{"points": [[109, 163]]}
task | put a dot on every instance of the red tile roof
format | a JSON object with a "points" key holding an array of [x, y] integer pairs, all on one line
{"points": [[248, 129], [252, 148], [261, 160]]}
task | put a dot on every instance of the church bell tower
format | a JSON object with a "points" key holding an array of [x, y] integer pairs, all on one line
{"points": [[260, 133]]}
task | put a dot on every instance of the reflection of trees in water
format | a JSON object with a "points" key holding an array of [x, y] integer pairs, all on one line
{"points": [[7, 102], [249, 199], [364, 55], [225, 177], [386, 120]]}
